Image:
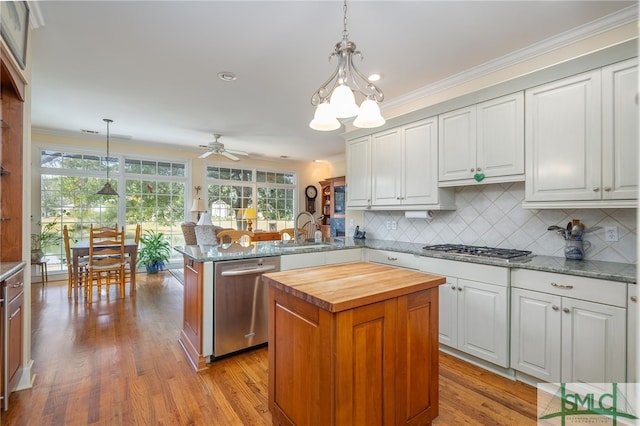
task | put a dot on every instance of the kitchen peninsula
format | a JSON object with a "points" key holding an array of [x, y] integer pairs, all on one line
{"points": [[355, 343]]}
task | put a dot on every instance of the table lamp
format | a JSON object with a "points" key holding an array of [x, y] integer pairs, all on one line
{"points": [[249, 215], [198, 206]]}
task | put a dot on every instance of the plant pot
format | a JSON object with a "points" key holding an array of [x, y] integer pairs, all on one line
{"points": [[154, 268], [36, 255]]}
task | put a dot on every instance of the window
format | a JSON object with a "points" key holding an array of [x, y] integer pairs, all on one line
{"points": [[153, 196], [231, 190]]}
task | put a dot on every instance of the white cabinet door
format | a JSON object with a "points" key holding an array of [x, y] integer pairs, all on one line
{"points": [[358, 177], [632, 334], [448, 312], [593, 342], [535, 334], [620, 131], [500, 136], [482, 321], [457, 144], [386, 167], [419, 171], [563, 140]]}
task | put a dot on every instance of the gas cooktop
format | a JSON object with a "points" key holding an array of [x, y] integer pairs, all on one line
{"points": [[507, 255]]}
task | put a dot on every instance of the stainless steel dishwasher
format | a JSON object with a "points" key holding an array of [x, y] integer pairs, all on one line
{"points": [[240, 303]]}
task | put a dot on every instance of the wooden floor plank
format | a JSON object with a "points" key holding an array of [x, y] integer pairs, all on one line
{"points": [[118, 362]]}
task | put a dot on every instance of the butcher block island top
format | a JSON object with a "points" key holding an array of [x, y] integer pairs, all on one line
{"points": [[353, 344], [340, 287]]}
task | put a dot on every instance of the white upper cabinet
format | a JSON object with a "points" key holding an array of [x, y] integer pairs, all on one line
{"points": [[483, 143], [620, 131], [582, 140], [359, 172], [402, 172]]}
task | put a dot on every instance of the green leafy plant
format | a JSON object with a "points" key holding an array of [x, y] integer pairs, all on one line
{"points": [[154, 251], [49, 235]]}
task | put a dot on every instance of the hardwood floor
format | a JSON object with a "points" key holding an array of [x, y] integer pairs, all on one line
{"points": [[118, 362]]}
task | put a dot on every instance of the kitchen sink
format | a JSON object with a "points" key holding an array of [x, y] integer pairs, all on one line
{"points": [[297, 247]]}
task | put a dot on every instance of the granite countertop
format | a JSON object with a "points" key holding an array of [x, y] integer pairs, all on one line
{"points": [[9, 268], [613, 271]]}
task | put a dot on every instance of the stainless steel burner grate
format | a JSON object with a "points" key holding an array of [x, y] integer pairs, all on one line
{"points": [[479, 251]]}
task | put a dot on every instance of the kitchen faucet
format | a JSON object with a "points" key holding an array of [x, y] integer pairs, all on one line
{"points": [[295, 223]]}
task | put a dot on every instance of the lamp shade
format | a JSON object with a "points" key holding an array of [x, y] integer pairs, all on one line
{"points": [[369, 115], [343, 102], [324, 119], [249, 213], [198, 205], [205, 219]]}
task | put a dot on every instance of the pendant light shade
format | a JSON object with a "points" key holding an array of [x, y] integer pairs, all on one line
{"points": [[343, 102], [324, 119], [369, 115], [107, 189]]}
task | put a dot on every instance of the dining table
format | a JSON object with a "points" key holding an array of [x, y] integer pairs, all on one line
{"points": [[81, 249]]}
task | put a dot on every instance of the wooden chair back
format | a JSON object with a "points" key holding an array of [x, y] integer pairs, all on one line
{"points": [[290, 233], [73, 282], [234, 236], [106, 260]]}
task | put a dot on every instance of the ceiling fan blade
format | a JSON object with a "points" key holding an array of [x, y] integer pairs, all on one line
{"points": [[229, 156], [236, 152], [205, 154]]}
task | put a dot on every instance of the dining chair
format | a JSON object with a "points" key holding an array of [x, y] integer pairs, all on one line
{"points": [[82, 265], [106, 261], [234, 236], [128, 260]]}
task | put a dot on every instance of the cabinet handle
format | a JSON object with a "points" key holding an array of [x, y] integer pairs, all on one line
{"points": [[555, 308], [472, 170], [392, 258], [566, 287], [596, 189], [566, 310], [17, 285], [13, 315], [634, 298], [607, 189]]}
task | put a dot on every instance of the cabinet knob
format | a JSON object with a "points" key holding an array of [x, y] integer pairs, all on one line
{"points": [[453, 287], [634, 298], [479, 169], [472, 170], [566, 310], [459, 288], [607, 189], [596, 189], [555, 308]]}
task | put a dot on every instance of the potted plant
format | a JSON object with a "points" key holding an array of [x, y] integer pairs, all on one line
{"points": [[48, 236], [154, 251]]}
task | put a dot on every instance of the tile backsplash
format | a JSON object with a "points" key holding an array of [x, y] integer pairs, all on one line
{"points": [[492, 215]]}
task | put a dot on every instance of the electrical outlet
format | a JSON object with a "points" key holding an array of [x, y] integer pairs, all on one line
{"points": [[388, 225], [611, 233], [394, 225]]}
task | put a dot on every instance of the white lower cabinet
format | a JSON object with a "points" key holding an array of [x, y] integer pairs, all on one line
{"points": [[393, 258], [473, 314], [557, 338], [320, 258]]}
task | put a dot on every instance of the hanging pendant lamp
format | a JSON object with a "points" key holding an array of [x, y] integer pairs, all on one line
{"points": [[336, 97], [107, 189]]}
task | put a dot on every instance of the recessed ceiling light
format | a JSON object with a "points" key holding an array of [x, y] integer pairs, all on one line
{"points": [[374, 77], [284, 156], [227, 76]]}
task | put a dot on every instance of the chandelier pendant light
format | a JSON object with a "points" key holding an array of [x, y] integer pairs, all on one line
{"points": [[107, 189], [335, 98]]}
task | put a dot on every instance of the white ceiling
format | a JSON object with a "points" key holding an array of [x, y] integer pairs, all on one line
{"points": [[152, 66]]}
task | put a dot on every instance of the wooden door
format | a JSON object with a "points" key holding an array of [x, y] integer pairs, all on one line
{"points": [[191, 334], [535, 334], [15, 340]]}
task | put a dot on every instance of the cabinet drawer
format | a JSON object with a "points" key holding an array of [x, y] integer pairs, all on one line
{"points": [[392, 258], [15, 285], [595, 290], [343, 256], [467, 270]]}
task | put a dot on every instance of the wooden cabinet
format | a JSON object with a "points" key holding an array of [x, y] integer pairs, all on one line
{"points": [[632, 334], [356, 362], [192, 327], [13, 325], [333, 206], [582, 140], [563, 334], [403, 169], [485, 141]]}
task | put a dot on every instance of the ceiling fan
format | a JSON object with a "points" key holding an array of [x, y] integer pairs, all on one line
{"points": [[216, 147]]}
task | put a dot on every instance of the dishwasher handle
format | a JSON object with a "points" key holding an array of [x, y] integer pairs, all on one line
{"points": [[248, 271]]}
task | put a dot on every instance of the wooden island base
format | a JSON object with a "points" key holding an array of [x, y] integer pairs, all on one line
{"points": [[353, 344]]}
